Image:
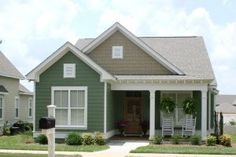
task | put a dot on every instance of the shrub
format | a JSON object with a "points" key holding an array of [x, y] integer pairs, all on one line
{"points": [[232, 122], [225, 140], [73, 139], [88, 139], [175, 139], [41, 139], [99, 139], [211, 141], [157, 139], [6, 128], [196, 140]]}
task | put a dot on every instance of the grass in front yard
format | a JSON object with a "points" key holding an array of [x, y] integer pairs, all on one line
{"points": [[233, 138], [25, 142], [32, 155], [185, 149]]}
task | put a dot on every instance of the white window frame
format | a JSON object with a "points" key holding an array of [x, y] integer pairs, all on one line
{"points": [[69, 88], [17, 106], [176, 122], [114, 49], [2, 97], [30, 107], [69, 65]]}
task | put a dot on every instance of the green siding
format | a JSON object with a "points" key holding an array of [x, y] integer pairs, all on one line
{"points": [[85, 76], [146, 108], [118, 101], [197, 98], [110, 110], [212, 110]]}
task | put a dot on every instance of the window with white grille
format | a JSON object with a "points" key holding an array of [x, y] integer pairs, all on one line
{"points": [[117, 52]]}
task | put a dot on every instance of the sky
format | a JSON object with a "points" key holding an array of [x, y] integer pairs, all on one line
{"points": [[31, 30]]}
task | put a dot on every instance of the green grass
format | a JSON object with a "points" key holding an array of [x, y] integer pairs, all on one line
{"points": [[233, 138], [185, 149], [25, 142], [32, 155]]}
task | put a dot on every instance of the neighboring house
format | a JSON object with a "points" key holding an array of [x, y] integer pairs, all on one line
{"points": [[16, 101], [227, 105], [118, 76]]}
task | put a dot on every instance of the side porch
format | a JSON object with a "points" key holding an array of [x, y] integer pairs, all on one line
{"points": [[138, 104]]}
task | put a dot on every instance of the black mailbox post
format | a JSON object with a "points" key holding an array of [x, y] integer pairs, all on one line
{"points": [[47, 123]]}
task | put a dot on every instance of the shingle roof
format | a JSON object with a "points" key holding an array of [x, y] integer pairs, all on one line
{"points": [[226, 104], [23, 90], [8, 69], [188, 53], [3, 89]]}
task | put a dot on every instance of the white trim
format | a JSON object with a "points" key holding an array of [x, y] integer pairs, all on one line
{"points": [[117, 26], [2, 97], [152, 114], [3, 93], [17, 106], [35, 73], [105, 107], [204, 114], [114, 48], [65, 68], [34, 106], [30, 99], [69, 88], [111, 133]]}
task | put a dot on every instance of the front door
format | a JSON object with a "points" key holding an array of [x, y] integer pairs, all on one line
{"points": [[133, 115]]}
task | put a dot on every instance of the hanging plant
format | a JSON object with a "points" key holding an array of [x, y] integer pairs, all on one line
{"points": [[167, 105], [189, 106]]}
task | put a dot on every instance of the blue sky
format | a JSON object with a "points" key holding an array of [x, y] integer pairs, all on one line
{"points": [[33, 29]]}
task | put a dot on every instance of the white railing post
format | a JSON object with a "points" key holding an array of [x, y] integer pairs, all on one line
{"points": [[51, 132]]}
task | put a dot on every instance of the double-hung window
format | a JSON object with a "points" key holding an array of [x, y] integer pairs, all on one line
{"points": [[30, 107], [178, 98], [16, 107], [1, 106], [71, 106]]}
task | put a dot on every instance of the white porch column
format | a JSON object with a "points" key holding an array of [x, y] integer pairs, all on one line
{"points": [[152, 114], [204, 115]]}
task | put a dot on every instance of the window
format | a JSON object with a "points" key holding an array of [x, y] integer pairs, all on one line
{"points": [[117, 52], [1, 106], [69, 71], [179, 98], [16, 107], [30, 107], [71, 106]]}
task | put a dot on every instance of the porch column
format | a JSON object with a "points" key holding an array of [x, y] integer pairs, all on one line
{"points": [[152, 114], [204, 115]]}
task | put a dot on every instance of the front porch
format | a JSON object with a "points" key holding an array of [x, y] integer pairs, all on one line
{"points": [[150, 108]]}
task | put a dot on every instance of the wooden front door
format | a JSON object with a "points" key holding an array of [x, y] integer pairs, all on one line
{"points": [[133, 115]]}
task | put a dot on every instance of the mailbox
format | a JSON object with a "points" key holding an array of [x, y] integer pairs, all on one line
{"points": [[46, 123]]}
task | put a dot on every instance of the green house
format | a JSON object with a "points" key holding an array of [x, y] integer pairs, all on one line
{"points": [[117, 77]]}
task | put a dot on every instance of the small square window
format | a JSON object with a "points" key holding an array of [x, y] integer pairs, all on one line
{"points": [[117, 52], [69, 70]]}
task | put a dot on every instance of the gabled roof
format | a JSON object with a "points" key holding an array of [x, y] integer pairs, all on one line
{"points": [[24, 91], [7, 69], [146, 48], [226, 104], [35, 73], [188, 53]]}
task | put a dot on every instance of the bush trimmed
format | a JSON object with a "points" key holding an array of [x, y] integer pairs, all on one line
{"points": [[41, 139], [73, 138], [211, 141], [225, 140], [196, 139], [175, 139], [157, 139], [99, 138], [88, 139]]}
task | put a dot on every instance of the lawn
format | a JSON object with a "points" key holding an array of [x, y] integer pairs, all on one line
{"points": [[25, 142], [188, 149], [33, 155]]}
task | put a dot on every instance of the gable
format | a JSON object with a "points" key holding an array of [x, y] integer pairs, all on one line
{"points": [[135, 61]]}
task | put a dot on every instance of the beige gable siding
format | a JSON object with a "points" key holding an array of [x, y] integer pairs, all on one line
{"points": [[135, 61], [9, 99]]}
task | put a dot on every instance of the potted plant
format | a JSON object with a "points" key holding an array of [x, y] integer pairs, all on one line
{"points": [[167, 105], [121, 126], [145, 127], [189, 106]]}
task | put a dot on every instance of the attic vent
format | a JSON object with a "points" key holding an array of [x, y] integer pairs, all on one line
{"points": [[117, 52]]}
